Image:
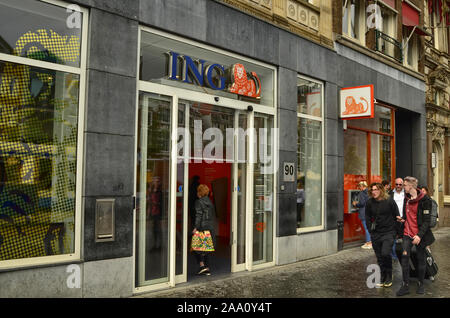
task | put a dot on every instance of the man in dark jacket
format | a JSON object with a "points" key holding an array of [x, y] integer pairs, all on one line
{"points": [[416, 215]]}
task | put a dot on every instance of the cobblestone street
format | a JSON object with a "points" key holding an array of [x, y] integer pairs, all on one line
{"points": [[342, 275]]}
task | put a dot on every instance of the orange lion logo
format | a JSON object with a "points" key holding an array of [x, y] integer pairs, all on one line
{"points": [[242, 85], [352, 108]]}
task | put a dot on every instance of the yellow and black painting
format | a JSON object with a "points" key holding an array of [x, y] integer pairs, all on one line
{"points": [[38, 141]]}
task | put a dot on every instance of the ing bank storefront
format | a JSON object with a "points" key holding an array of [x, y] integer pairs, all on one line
{"points": [[203, 114]]}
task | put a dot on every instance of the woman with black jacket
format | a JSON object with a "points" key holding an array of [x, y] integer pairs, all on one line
{"points": [[381, 217], [204, 221], [416, 215]]}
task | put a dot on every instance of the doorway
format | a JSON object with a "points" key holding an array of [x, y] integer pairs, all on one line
{"points": [[217, 177], [210, 161], [208, 141]]}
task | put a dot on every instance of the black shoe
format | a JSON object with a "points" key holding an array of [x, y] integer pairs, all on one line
{"points": [[382, 280], [202, 270], [388, 280], [420, 288], [404, 290]]}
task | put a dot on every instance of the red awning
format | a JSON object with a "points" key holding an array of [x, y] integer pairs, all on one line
{"points": [[410, 16], [418, 30], [390, 3]]}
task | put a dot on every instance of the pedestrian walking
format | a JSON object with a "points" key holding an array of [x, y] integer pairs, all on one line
{"points": [[416, 216], [363, 197], [427, 192], [398, 195], [381, 218], [204, 221]]}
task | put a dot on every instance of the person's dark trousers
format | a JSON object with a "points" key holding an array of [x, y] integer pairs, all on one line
{"points": [[202, 257], [382, 246], [420, 253]]}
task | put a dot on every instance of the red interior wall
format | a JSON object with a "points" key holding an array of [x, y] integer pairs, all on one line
{"points": [[208, 172]]}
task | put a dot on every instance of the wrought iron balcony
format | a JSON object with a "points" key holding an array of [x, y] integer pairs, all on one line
{"points": [[388, 46]]}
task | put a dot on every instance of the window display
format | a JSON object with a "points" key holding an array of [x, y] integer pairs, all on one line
{"points": [[39, 114], [40, 31], [38, 142]]}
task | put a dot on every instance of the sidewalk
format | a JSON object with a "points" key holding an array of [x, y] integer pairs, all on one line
{"points": [[339, 275]]}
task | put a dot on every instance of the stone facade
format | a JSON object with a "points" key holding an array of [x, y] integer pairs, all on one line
{"points": [[437, 72], [275, 32]]}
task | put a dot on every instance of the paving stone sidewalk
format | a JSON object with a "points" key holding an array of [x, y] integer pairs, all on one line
{"points": [[341, 275]]}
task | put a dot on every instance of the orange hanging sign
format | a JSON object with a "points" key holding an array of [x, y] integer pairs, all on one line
{"points": [[357, 102]]}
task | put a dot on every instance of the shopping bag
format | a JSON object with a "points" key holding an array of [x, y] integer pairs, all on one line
{"points": [[202, 242]]}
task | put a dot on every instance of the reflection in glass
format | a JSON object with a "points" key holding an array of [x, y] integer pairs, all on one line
{"points": [[40, 31], [355, 153], [381, 158], [309, 97], [241, 196], [180, 191], [152, 226], [263, 191], [381, 121], [38, 120], [309, 174], [351, 13], [211, 129]]}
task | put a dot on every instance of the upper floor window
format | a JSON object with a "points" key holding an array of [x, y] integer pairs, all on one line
{"points": [[441, 32], [440, 23], [353, 17], [410, 49], [388, 21]]}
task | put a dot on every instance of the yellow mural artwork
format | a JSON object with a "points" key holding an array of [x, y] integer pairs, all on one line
{"points": [[45, 43], [38, 139]]}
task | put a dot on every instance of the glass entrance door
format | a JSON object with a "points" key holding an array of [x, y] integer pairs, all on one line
{"points": [[182, 137], [263, 190], [153, 184], [211, 150]]}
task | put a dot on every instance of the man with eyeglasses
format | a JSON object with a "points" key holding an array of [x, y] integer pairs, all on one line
{"points": [[398, 194]]}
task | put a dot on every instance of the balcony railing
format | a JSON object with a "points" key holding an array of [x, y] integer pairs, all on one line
{"points": [[388, 46]]}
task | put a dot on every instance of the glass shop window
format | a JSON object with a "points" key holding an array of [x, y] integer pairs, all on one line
{"points": [[309, 155], [40, 31], [39, 114]]}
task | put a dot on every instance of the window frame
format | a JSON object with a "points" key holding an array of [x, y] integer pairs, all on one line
{"points": [[414, 42], [441, 34], [392, 28], [21, 263], [371, 132], [320, 119], [361, 37]]}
